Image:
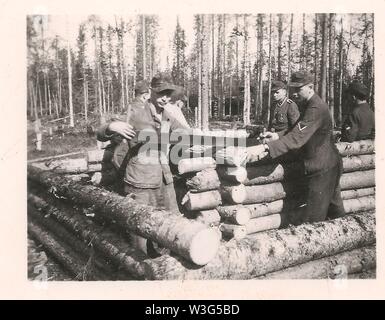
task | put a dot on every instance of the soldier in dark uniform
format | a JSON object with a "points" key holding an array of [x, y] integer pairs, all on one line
{"points": [[359, 125], [285, 114], [321, 159]]}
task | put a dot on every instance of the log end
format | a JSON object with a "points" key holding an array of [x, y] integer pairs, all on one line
{"points": [[238, 194], [243, 216], [204, 246]]}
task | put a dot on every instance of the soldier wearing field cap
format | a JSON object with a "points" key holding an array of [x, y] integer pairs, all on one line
{"points": [[359, 124], [322, 162], [285, 114]]}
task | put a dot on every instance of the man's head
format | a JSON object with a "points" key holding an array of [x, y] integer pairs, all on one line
{"points": [[142, 90], [358, 91], [161, 90], [302, 84], [278, 90]]}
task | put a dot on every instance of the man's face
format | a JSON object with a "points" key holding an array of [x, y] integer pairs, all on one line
{"points": [[279, 95], [302, 93], [160, 99]]}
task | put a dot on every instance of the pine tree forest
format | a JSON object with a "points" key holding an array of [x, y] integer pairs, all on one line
{"points": [[225, 62]]}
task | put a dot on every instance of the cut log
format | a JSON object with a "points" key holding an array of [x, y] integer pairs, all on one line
{"points": [[95, 156], [196, 164], [68, 259], [68, 165], [96, 178], [264, 193], [232, 174], [55, 157], [274, 250], [355, 148], [360, 204], [270, 173], [202, 200], [190, 239], [94, 167], [265, 223], [358, 179], [233, 231], [236, 214], [233, 194], [120, 254], [204, 180], [231, 156], [209, 217], [357, 193], [354, 261]]}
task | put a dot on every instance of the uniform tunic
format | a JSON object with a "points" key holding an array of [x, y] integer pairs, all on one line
{"points": [[285, 116], [359, 125], [321, 159]]}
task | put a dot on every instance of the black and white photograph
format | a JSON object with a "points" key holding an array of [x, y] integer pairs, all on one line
{"points": [[189, 145]]}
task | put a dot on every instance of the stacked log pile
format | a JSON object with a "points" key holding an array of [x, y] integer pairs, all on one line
{"points": [[83, 223]]}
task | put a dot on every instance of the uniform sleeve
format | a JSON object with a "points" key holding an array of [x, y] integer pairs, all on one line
{"points": [[350, 128], [298, 135]]}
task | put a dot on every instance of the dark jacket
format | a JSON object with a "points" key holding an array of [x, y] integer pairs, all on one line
{"points": [[313, 136], [359, 125], [285, 116], [146, 170]]}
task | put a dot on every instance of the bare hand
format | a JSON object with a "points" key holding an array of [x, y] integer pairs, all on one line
{"points": [[122, 128], [256, 153], [268, 136]]}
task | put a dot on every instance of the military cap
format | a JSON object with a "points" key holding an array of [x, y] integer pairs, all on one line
{"points": [[141, 87], [276, 85], [301, 78], [358, 88], [162, 82]]}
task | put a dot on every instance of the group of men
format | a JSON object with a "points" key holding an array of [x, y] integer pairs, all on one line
{"points": [[308, 132]]}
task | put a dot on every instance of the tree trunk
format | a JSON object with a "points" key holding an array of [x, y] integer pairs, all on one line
{"points": [[323, 84], [357, 193], [289, 49], [269, 66], [264, 193], [354, 261], [247, 259], [205, 70], [195, 164], [246, 65], [316, 57], [64, 166], [107, 243], [358, 179], [192, 240], [205, 180], [233, 194], [341, 72], [69, 66], [279, 57], [202, 201], [236, 214], [331, 64]]}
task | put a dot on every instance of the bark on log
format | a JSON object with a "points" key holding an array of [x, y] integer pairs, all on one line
{"points": [[95, 156], [270, 173], [190, 239], [233, 231], [233, 194], [274, 250], [202, 200], [232, 174], [120, 254], [209, 217], [264, 193], [68, 165], [236, 214], [352, 205], [68, 259], [231, 156], [196, 164], [204, 180], [357, 193], [358, 179], [265, 223], [355, 148], [354, 261]]}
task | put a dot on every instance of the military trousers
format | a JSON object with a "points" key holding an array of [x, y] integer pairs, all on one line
{"points": [[323, 196]]}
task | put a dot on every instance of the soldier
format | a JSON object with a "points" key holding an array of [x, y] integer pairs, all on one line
{"points": [[285, 114], [147, 177], [321, 159], [359, 124]]}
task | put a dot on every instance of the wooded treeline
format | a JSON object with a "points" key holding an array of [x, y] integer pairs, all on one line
{"points": [[226, 68]]}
